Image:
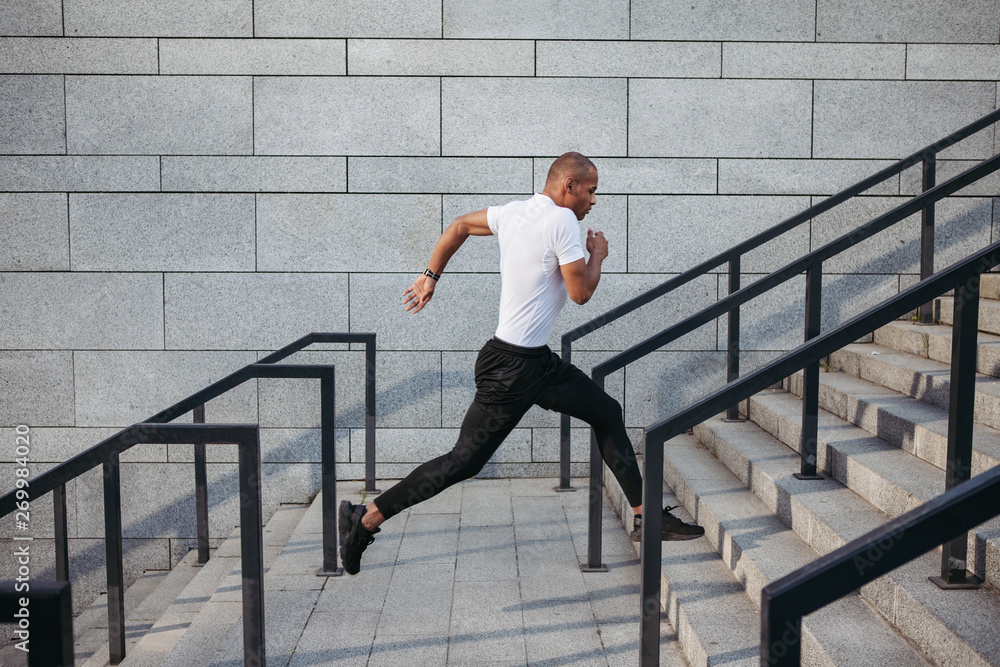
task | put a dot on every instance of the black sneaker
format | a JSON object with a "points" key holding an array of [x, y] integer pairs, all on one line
{"points": [[675, 529], [671, 529], [354, 537]]}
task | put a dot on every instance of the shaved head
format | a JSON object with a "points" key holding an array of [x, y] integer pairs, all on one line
{"points": [[570, 165]]}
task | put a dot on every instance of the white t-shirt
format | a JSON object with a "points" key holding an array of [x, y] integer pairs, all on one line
{"points": [[535, 237]]}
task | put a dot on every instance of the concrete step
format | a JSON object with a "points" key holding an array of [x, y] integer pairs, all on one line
{"points": [[160, 591], [291, 589], [885, 476], [714, 619], [203, 612], [989, 287], [933, 341], [912, 425], [90, 627], [950, 627], [989, 313], [921, 378], [712, 586]]}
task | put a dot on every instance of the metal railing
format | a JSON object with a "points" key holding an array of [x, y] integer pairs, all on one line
{"points": [[107, 452], [841, 572], [962, 276], [927, 157], [43, 616], [811, 265]]}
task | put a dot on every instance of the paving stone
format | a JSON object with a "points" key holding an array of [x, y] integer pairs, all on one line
{"points": [[631, 59], [36, 234], [159, 115], [25, 55], [254, 174], [419, 602], [513, 19], [390, 651], [813, 61], [262, 57], [486, 620], [162, 232], [526, 116], [176, 18], [347, 18], [355, 634], [32, 17], [309, 232], [441, 57], [39, 308], [79, 173], [263, 311], [486, 553], [352, 116], [928, 21], [892, 119], [32, 114]]}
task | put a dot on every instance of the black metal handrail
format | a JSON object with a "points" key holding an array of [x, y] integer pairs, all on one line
{"points": [[44, 626], [962, 276], [841, 572], [811, 265], [106, 453], [732, 256]]}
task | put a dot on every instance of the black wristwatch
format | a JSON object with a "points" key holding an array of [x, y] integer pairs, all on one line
{"points": [[431, 274]]}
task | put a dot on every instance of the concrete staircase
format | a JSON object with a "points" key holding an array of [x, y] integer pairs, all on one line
{"points": [[192, 615], [882, 445]]}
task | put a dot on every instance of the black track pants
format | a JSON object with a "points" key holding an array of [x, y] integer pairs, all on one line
{"points": [[509, 380]]}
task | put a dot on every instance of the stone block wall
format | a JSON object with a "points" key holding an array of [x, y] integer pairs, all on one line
{"points": [[187, 186]]}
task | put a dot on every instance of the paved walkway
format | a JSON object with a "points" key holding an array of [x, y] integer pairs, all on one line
{"points": [[487, 573]]}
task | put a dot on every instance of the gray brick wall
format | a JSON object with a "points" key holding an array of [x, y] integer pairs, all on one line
{"points": [[185, 186]]}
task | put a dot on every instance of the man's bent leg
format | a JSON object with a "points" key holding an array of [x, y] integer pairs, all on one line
{"points": [[579, 396]]}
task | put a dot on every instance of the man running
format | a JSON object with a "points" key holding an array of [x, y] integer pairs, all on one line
{"points": [[541, 262]]}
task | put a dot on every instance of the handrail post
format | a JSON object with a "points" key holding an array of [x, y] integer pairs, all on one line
{"points": [[370, 416], [328, 466], [252, 552], [650, 553], [113, 559], [201, 491], [780, 632], [733, 339], [929, 180], [964, 339], [565, 434], [596, 500], [61, 532], [810, 376]]}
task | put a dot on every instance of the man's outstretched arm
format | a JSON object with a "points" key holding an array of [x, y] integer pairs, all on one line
{"points": [[416, 296]]}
